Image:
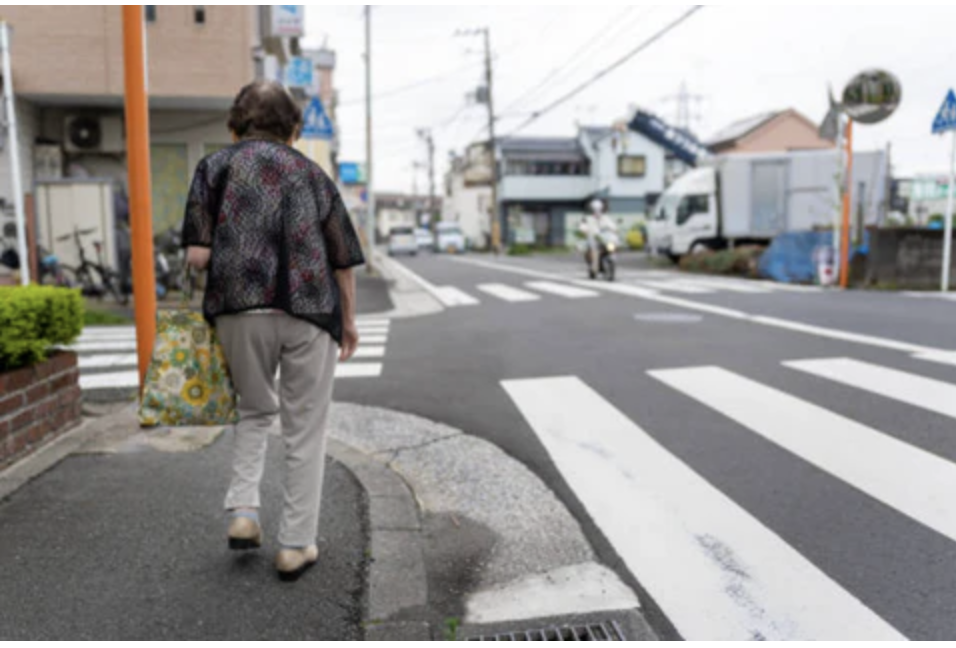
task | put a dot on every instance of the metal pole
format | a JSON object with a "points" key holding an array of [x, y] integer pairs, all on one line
{"points": [[14, 144], [841, 190], [948, 229], [141, 208], [492, 144], [369, 186], [848, 194]]}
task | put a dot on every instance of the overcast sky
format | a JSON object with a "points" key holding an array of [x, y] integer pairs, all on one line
{"points": [[741, 60]]}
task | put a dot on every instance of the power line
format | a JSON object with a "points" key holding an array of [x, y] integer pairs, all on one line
{"points": [[603, 73], [557, 70], [386, 94]]}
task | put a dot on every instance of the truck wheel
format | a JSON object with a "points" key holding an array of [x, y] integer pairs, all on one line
{"points": [[674, 258]]}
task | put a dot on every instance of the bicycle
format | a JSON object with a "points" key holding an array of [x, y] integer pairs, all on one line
{"points": [[48, 265], [83, 274]]}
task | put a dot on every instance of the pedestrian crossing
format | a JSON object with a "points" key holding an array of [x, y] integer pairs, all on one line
{"points": [[576, 289], [108, 362], [715, 569]]}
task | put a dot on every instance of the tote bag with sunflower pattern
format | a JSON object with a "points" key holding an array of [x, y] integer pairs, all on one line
{"points": [[188, 382]]}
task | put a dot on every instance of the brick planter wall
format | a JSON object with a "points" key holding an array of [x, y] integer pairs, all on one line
{"points": [[37, 404]]}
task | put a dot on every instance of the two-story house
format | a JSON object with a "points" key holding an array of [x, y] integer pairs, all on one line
{"points": [[545, 184]]}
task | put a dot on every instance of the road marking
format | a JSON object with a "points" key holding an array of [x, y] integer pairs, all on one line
{"points": [[120, 361], [716, 571], [123, 333], [115, 380], [358, 370], [925, 393], [923, 352], [451, 297], [372, 330], [95, 347], [913, 481], [729, 285], [508, 293], [373, 322], [675, 286], [370, 352], [373, 339], [561, 290], [836, 334]]}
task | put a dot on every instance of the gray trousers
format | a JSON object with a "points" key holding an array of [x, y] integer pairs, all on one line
{"points": [[256, 345]]}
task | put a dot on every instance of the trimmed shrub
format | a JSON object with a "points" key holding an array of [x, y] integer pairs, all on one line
{"points": [[741, 261], [520, 249], [35, 318]]}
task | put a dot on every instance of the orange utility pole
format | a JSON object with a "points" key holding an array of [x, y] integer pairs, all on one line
{"points": [[847, 195], [141, 208]]}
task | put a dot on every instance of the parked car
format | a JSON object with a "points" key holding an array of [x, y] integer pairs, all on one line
{"points": [[449, 238], [401, 240], [426, 240]]}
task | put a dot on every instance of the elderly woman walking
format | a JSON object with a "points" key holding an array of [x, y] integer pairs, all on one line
{"points": [[271, 229]]}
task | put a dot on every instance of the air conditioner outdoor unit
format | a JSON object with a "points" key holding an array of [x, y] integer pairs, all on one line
{"points": [[93, 134]]}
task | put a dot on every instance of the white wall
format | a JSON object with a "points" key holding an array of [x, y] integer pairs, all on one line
{"points": [[27, 124], [548, 188], [468, 206], [604, 165]]}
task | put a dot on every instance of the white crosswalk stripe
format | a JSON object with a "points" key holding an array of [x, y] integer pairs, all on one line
{"points": [[926, 393], [508, 293], [561, 290], [451, 297], [738, 580], [901, 476], [675, 286], [107, 358]]}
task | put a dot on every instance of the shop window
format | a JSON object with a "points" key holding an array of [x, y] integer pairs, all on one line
{"points": [[149, 12]]}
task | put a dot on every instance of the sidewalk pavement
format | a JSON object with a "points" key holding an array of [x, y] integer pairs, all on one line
{"points": [[427, 533]]}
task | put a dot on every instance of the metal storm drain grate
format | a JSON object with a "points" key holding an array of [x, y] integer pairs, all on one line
{"points": [[594, 632]]}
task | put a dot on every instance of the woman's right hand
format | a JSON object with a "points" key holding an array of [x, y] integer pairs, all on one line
{"points": [[198, 257], [350, 341]]}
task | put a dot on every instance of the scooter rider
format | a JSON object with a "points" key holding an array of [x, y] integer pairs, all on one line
{"points": [[594, 226]]}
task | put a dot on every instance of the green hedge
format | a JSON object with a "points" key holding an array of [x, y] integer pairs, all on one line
{"points": [[741, 261], [35, 318]]}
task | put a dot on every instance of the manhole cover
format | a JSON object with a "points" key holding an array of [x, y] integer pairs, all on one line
{"points": [[609, 631], [669, 318]]}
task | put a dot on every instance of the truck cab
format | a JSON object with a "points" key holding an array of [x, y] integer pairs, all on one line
{"points": [[686, 215]]}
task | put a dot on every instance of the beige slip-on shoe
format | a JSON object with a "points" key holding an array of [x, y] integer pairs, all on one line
{"points": [[292, 563], [244, 533]]}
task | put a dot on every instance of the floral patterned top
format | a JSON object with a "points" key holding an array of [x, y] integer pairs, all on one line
{"points": [[278, 231]]}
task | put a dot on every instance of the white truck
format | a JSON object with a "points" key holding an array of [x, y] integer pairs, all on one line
{"points": [[740, 199]]}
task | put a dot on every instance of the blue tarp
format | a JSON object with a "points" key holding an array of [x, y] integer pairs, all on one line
{"points": [[791, 258]]}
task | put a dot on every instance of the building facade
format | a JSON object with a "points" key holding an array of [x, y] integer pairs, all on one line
{"points": [[546, 184], [68, 77]]}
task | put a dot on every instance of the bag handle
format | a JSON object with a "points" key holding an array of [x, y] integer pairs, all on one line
{"points": [[187, 286]]}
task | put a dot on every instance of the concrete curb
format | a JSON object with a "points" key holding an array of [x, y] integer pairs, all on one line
{"points": [[48, 456], [397, 576], [410, 299]]}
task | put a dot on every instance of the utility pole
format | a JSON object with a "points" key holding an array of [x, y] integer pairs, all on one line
{"points": [[426, 135], [370, 216], [13, 141], [492, 145], [486, 96]]}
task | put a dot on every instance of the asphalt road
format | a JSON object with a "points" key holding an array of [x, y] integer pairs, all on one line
{"points": [[130, 547], [743, 497]]}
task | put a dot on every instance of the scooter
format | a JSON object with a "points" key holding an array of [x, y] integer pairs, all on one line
{"points": [[607, 260]]}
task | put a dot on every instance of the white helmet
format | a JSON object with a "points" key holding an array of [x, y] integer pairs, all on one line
{"points": [[597, 206]]}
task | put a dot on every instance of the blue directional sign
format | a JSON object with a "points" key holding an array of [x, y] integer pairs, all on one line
{"points": [[317, 124], [946, 119], [298, 73]]}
